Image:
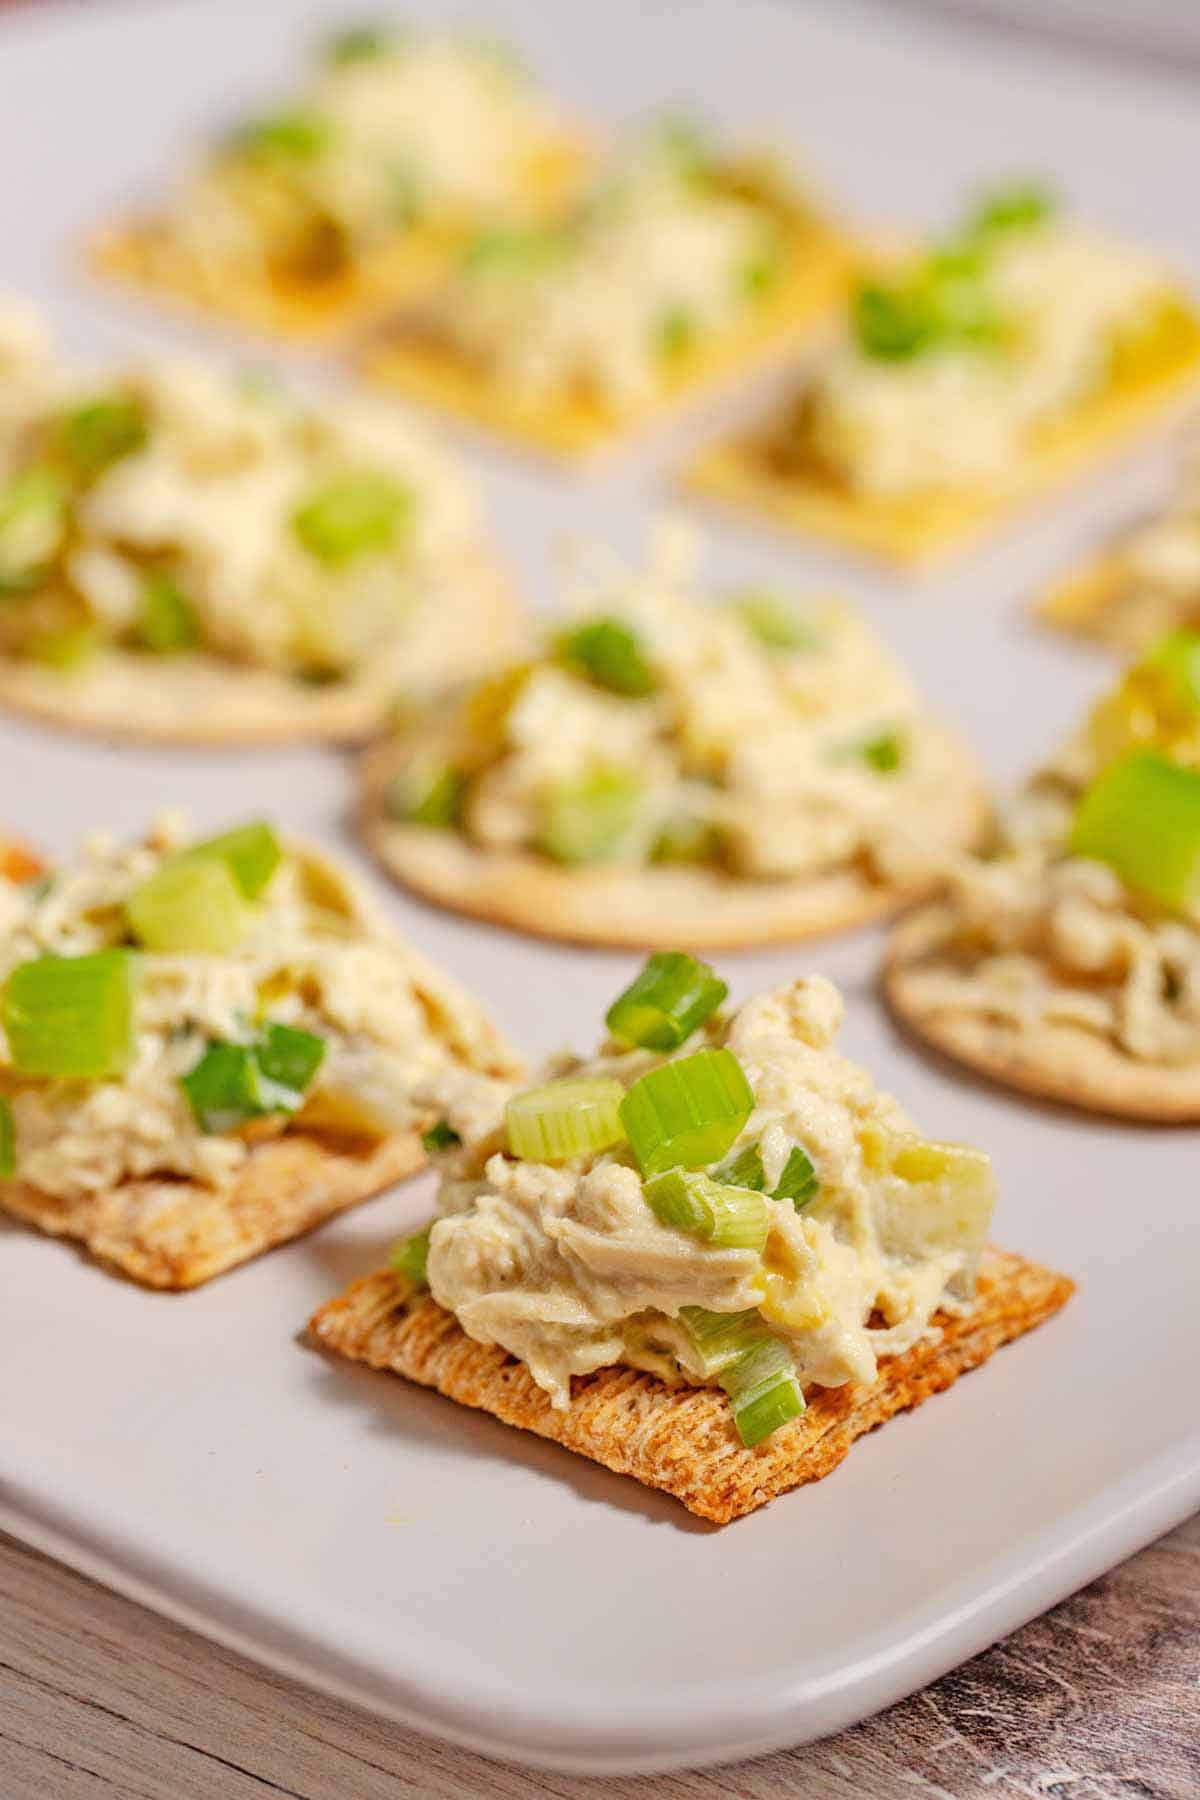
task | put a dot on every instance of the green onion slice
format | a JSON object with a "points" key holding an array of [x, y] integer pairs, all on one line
{"points": [[439, 1137], [253, 853], [576, 1116], [1142, 818], [675, 332], [353, 516], [884, 752], [101, 431], [775, 623], [1014, 208], [289, 1057], [729, 1218], [666, 1002], [719, 1339], [298, 135], [192, 904], [590, 819], [410, 1257], [763, 1390], [8, 1139], [166, 620], [688, 1112], [686, 838], [609, 652], [426, 792], [71, 1016], [798, 1182], [232, 1083]]}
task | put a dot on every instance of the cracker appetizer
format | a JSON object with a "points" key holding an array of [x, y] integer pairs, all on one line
{"points": [[207, 1048], [682, 266], [710, 1257], [190, 557], [307, 221], [1145, 584], [1066, 962], [668, 771], [969, 379]]}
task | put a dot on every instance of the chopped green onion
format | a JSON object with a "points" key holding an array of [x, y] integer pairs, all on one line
{"points": [[301, 136], [33, 511], [608, 652], [731, 1218], [71, 1016], [588, 820], [892, 324], [666, 1002], [719, 1339], [744, 1170], [101, 431], [427, 793], [760, 272], [353, 516], [943, 302], [252, 851], [686, 838], [688, 1112], [410, 1257], [1142, 818], [8, 1140], [798, 1183], [675, 332], [166, 619], [883, 751], [576, 1116], [358, 43], [1013, 208], [763, 1390], [188, 904], [232, 1083], [775, 623], [439, 1137]]}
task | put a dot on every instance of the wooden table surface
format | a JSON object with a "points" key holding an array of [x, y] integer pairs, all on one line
{"points": [[99, 1700]]}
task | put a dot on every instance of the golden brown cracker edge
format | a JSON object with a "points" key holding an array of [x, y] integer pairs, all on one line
{"points": [[679, 1439], [1049, 1061], [655, 907], [173, 1233]]}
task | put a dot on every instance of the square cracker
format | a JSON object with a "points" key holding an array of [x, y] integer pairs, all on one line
{"points": [[434, 375], [176, 1234], [916, 531], [681, 1439]]}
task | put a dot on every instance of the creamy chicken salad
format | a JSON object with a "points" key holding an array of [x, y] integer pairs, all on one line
{"points": [[674, 247], [957, 360], [1150, 581], [767, 739], [165, 1005], [175, 508], [395, 132], [1087, 913], [716, 1197]]}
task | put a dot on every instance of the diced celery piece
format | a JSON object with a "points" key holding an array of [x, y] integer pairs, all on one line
{"points": [[188, 905], [8, 1139], [940, 1200], [298, 135], [410, 1257], [666, 1002], [576, 1116], [252, 851], [439, 1137], [101, 431], [730, 1218], [688, 1112], [71, 1016], [33, 513], [590, 819], [352, 516], [609, 652], [1142, 818], [427, 792], [775, 622], [719, 1339], [166, 619], [763, 1390]]}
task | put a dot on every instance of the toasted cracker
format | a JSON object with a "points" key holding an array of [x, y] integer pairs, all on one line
{"points": [[1104, 599], [657, 906], [435, 375], [172, 1233], [1052, 1061], [922, 529], [191, 698], [681, 1439]]}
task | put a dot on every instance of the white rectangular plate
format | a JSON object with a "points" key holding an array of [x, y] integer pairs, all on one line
{"points": [[467, 1579]]}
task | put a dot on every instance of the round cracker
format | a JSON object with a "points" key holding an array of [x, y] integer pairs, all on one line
{"points": [[472, 622], [663, 906], [1059, 1062]]}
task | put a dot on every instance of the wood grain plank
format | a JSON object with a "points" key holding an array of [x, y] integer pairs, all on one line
{"points": [[100, 1700]]}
